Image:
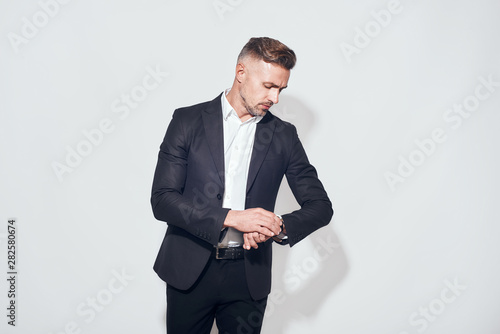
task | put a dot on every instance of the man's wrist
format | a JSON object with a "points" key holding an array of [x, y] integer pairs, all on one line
{"points": [[228, 221], [281, 237]]}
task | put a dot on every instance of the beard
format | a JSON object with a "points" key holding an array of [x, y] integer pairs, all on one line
{"points": [[256, 110]]}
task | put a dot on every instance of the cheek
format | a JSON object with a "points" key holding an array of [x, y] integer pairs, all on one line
{"points": [[256, 94], [250, 91], [261, 94]]}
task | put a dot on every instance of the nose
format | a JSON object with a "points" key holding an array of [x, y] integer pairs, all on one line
{"points": [[274, 95]]}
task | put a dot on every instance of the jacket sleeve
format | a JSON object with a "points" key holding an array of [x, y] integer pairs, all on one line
{"points": [[316, 209], [169, 201]]}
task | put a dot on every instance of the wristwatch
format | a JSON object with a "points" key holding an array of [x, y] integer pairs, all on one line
{"points": [[281, 238]]}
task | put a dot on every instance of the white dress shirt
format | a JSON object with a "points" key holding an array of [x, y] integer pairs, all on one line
{"points": [[238, 145]]}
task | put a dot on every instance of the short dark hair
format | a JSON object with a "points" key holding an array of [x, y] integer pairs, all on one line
{"points": [[269, 50]]}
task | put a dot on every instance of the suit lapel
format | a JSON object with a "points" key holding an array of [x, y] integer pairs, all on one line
{"points": [[212, 122], [263, 138]]}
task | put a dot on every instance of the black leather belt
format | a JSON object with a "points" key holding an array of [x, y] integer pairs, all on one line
{"points": [[229, 253]]}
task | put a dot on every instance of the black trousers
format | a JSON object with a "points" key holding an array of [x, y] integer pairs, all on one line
{"points": [[221, 293]]}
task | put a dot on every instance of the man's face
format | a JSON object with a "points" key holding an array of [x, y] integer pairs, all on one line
{"points": [[261, 84]]}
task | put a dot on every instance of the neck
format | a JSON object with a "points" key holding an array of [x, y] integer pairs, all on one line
{"points": [[235, 100]]}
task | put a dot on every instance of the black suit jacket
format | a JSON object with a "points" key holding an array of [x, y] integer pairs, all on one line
{"points": [[189, 184]]}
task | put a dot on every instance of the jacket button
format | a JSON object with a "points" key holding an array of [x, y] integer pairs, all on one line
{"points": [[219, 197]]}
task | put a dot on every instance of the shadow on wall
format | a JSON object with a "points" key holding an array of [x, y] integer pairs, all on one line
{"points": [[304, 276], [303, 280], [292, 110]]}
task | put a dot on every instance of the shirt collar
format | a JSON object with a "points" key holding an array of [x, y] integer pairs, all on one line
{"points": [[227, 109]]}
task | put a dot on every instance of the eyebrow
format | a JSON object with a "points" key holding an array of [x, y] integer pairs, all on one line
{"points": [[273, 85]]}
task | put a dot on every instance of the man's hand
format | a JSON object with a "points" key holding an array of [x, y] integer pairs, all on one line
{"points": [[254, 220], [252, 239]]}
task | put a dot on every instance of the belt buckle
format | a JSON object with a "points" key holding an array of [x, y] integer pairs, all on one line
{"points": [[217, 253], [222, 256], [225, 255]]}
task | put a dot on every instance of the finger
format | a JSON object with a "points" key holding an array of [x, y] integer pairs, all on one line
{"points": [[262, 237], [276, 224], [271, 215], [249, 241], [273, 225], [246, 244], [254, 240], [278, 220], [266, 219], [254, 237], [257, 237], [266, 231]]}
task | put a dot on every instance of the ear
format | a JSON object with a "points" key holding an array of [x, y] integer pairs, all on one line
{"points": [[241, 71]]}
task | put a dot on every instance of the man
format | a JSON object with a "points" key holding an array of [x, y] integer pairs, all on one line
{"points": [[219, 170]]}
